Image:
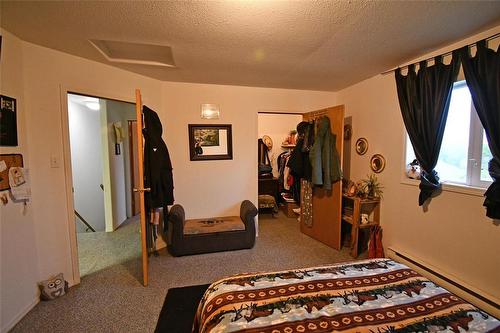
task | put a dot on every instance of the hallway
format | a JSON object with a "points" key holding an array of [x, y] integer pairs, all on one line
{"points": [[100, 250]]}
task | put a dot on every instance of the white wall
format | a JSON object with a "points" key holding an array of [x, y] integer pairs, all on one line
{"points": [[47, 75], [119, 164], [454, 235], [277, 127], [36, 246], [19, 260], [86, 163], [215, 188], [177, 104]]}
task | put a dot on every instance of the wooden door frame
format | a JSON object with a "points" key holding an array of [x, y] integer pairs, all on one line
{"points": [[140, 188], [64, 90]]}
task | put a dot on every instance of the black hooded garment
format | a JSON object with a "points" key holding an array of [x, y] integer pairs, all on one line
{"points": [[157, 165]]}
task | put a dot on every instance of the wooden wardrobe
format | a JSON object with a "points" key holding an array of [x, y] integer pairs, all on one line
{"points": [[327, 205]]}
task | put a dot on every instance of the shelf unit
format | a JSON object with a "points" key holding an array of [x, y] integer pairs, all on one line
{"points": [[352, 208]]}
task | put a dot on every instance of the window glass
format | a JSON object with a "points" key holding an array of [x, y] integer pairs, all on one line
{"points": [[486, 156], [452, 162]]}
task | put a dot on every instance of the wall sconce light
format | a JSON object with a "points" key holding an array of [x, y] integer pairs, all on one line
{"points": [[210, 111]]}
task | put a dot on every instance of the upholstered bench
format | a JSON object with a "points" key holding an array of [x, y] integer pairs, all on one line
{"points": [[206, 235]]}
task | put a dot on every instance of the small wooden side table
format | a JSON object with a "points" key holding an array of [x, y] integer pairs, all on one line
{"points": [[352, 208]]}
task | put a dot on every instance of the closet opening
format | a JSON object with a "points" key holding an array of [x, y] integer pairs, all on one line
{"points": [[278, 192], [300, 163], [104, 172]]}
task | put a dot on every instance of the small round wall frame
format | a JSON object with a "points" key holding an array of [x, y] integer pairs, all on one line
{"points": [[377, 163], [361, 146]]}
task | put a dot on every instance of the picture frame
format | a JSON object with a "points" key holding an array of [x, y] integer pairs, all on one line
{"points": [[8, 123], [210, 142]]}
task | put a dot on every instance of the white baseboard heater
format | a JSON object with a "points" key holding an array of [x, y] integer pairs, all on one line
{"points": [[477, 297]]}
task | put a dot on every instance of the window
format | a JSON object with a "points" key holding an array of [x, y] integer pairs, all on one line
{"points": [[464, 154]]}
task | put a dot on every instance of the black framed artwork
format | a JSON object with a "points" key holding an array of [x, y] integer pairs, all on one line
{"points": [[210, 142], [8, 121]]}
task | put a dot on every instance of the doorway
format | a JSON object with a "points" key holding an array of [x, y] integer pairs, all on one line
{"points": [[276, 138], [103, 168]]}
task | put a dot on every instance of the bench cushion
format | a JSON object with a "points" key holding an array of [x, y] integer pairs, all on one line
{"points": [[266, 201], [212, 225]]}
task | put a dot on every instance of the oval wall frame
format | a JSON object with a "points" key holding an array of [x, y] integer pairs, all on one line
{"points": [[377, 163], [361, 146]]}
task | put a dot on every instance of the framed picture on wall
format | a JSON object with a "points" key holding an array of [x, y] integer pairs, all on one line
{"points": [[8, 121], [210, 142]]}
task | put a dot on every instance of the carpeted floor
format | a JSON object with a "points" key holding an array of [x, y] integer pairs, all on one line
{"points": [[113, 299], [99, 250]]}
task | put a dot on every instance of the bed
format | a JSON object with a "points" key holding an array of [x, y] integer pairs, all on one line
{"points": [[377, 296]]}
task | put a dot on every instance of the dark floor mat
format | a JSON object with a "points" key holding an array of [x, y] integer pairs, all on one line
{"points": [[179, 309]]}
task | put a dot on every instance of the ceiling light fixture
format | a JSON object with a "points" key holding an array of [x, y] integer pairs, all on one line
{"points": [[93, 105], [210, 111]]}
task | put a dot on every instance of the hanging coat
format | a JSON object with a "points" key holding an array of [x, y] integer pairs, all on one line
{"points": [[157, 165], [299, 162], [324, 157]]}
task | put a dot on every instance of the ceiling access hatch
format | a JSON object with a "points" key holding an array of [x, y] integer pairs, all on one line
{"points": [[135, 53]]}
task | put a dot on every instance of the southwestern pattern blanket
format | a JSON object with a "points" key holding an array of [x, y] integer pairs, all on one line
{"points": [[379, 296]]}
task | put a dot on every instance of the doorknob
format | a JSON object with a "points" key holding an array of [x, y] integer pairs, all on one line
{"points": [[147, 189]]}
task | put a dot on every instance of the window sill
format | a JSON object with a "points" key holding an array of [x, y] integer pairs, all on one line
{"points": [[451, 187]]}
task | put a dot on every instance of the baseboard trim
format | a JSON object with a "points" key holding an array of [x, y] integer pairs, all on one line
{"points": [[473, 295], [10, 325]]}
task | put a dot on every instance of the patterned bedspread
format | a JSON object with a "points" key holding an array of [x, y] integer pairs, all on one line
{"points": [[365, 296]]}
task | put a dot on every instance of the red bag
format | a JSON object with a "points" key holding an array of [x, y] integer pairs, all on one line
{"points": [[375, 247]]}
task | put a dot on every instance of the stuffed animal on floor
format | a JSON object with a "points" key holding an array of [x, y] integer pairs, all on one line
{"points": [[53, 288]]}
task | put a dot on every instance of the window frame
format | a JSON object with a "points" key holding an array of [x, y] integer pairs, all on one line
{"points": [[473, 184]]}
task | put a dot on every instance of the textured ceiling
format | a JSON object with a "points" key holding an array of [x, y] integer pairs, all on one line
{"points": [[315, 45]]}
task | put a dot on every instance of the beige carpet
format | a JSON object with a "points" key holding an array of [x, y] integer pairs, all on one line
{"points": [[113, 299], [99, 250]]}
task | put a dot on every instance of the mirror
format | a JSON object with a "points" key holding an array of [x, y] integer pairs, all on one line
{"points": [[377, 163], [361, 146]]}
